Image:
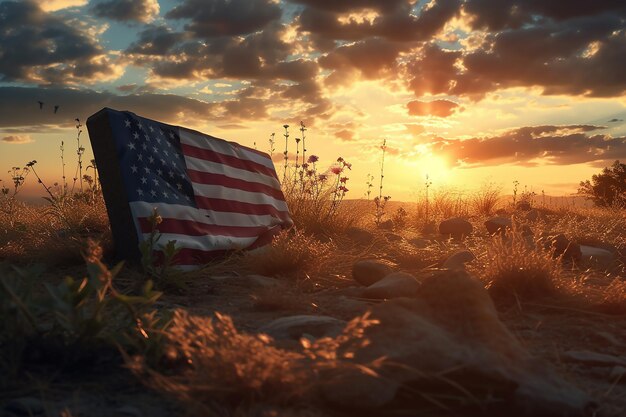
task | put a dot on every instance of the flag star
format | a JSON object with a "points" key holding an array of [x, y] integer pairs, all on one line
{"points": [[146, 169], [164, 194], [140, 126], [166, 153], [151, 159], [134, 168], [146, 136], [158, 140], [171, 173], [153, 193], [140, 157], [169, 144], [144, 180], [127, 122], [179, 186], [171, 135], [161, 132], [162, 161], [131, 145], [136, 135], [144, 146], [139, 191], [155, 181], [176, 196], [155, 149], [159, 172], [151, 128], [169, 185]]}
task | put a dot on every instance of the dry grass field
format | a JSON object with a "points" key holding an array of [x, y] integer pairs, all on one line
{"points": [[527, 320]]}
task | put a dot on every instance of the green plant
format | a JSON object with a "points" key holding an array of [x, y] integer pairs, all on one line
{"points": [[158, 260], [74, 316], [381, 201]]}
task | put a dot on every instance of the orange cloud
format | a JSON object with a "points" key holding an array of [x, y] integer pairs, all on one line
{"points": [[439, 108]]}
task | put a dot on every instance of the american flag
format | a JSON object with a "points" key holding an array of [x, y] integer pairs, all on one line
{"points": [[213, 195]]}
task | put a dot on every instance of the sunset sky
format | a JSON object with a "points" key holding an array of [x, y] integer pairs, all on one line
{"points": [[464, 91]]}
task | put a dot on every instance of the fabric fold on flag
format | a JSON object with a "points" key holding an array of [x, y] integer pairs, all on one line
{"points": [[214, 196]]}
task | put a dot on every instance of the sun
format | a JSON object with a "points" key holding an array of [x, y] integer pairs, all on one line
{"points": [[435, 167]]}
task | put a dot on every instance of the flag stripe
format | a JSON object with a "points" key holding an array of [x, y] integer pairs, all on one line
{"points": [[192, 228], [224, 147], [175, 211], [200, 177], [232, 161], [242, 174], [217, 204], [225, 193], [204, 242]]}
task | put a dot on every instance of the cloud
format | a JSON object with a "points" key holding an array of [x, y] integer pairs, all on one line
{"points": [[614, 120], [54, 5], [562, 145], [43, 48], [19, 107], [215, 18], [143, 11], [17, 139], [345, 135], [439, 108]]}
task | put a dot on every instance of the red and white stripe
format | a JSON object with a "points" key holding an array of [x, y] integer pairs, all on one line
{"points": [[240, 203]]}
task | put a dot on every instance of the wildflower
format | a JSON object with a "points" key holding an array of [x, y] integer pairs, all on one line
{"points": [[343, 180], [343, 188], [336, 170], [323, 177], [313, 159], [347, 165], [340, 159], [305, 165], [310, 172]]}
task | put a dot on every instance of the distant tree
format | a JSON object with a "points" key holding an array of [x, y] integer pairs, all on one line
{"points": [[607, 189]]}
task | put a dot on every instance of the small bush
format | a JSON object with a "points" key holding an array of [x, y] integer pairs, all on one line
{"points": [[516, 269], [292, 253]]}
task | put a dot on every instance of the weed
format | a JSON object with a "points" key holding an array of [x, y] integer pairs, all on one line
{"points": [[516, 269]]}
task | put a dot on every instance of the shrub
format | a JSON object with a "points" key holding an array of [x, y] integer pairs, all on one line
{"points": [[516, 269]]}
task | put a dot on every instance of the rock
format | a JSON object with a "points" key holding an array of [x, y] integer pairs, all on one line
{"points": [[523, 205], [360, 235], [533, 215], [294, 327], [260, 281], [356, 389], [498, 224], [25, 406], [419, 242], [398, 284], [367, 272], [392, 237], [601, 257], [458, 259], [561, 245], [453, 324], [386, 225], [455, 227], [593, 358]]}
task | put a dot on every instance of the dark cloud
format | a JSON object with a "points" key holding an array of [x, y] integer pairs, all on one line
{"points": [[36, 46], [496, 15], [155, 40], [345, 135], [395, 20], [18, 106], [17, 139], [127, 10], [439, 108], [561, 145], [215, 18], [614, 120]]}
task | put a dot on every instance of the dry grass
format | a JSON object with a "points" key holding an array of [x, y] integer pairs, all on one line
{"points": [[516, 269], [208, 359], [613, 298], [292, 253], [52, 234]]}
